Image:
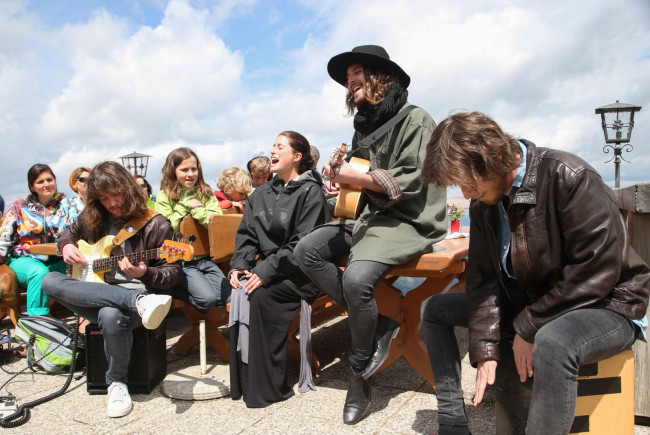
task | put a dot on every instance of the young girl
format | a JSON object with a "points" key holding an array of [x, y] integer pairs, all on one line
{"points": [[278, 214], [184, 192]]}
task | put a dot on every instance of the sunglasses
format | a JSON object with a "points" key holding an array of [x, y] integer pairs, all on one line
{"points": [[143, 185], [82, 179]]}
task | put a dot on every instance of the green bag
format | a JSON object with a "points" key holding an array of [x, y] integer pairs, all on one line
{"points": [[49, 342]]}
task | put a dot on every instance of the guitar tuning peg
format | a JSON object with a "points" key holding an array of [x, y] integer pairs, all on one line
{"points": [[192, 239], [178, 236]]}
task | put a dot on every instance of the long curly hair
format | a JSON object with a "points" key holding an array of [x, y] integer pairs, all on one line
{"points": [[169, 182], [110, 178]]}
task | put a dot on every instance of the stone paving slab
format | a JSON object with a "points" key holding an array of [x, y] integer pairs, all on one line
{"points": [[403, 402]]}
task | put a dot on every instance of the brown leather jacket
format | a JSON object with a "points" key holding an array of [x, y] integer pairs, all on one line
{"points": [[569, 250], [159, 275]]}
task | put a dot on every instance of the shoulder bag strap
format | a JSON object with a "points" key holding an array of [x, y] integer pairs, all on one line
{"points": [[377, 134]]}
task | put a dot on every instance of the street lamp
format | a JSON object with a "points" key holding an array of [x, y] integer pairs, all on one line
{"points": [[136, 163], [617, 121]]}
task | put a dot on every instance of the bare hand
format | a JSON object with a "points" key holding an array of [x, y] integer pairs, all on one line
{"points": [[332, 188], [194, 203], [254, 282], [485, 374], [235, 275], [72, 255], [134, 271], [523, 351]]}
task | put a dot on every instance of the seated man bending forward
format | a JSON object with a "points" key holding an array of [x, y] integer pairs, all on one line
{"points": [[550, 270], [124, 302]]}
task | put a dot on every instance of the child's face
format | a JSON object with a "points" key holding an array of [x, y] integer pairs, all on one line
{"points": [[187, 172], [237, 196], [258, 180]]}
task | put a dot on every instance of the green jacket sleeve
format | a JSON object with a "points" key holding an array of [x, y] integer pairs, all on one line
{"points": [[210, 207], [175, 211]]}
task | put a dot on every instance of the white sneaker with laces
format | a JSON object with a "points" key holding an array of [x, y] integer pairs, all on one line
{"points": [[119, 402], [153, 309]]}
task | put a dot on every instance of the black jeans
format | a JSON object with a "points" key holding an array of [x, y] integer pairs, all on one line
{"points": [[561, 346], [353, 288]]}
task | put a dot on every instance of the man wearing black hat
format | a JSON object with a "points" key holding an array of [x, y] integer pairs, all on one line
{"points": [[403, 216]]}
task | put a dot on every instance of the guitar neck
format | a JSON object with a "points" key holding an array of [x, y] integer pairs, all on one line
{"points": [[135, 257]]}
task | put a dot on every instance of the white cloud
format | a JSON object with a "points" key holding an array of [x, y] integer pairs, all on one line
{"points": [[78, 93]]}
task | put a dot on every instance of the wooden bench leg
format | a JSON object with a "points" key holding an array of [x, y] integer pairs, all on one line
{"points": [[214, 318], [322, 310]]}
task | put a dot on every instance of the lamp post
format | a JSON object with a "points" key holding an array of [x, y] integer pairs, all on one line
{"points": [[136, 163], [617, 122]]}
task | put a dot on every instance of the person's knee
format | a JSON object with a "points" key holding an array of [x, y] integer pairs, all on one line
{"points": [[356, 290], [112, 320], [551, 350], [52, 283], [305, 254]]}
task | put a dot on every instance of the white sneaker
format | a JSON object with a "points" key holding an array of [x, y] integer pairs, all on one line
{"points": [[119, 402], [153, 309]]}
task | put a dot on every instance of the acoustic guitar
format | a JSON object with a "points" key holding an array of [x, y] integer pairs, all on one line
{"points": [[351, 198], [99, 260]]}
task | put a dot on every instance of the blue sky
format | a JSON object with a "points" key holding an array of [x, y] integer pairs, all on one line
{"points": [[86, 81]]}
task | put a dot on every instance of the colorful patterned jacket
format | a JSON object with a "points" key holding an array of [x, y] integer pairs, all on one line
{"points": [[29, 222]]}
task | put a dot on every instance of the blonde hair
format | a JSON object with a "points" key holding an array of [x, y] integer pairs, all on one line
{"points": [[234, 179], [260, 166], [74, 175]]}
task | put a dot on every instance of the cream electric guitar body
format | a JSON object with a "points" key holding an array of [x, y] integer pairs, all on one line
{"points": [[99, 260]]}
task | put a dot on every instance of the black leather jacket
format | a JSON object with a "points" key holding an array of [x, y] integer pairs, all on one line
{"points": [[159, 275], [569, 250]]}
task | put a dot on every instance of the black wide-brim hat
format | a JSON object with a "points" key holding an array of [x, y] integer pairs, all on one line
{"points": [[367, 55]]}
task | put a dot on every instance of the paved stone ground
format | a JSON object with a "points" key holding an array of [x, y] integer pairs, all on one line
{"points": [[403, 402]]}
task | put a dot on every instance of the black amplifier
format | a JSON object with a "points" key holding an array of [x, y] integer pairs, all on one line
{"points": [[147, 367]]}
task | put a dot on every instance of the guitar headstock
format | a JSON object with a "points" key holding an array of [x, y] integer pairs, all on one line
{"points": [[174, 251], [337, 157]]}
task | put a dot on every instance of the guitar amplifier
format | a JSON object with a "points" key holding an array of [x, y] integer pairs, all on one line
{"points": [[147, 366]]}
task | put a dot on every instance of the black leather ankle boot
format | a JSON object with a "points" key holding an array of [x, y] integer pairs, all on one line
{"points": [[357, 401]]}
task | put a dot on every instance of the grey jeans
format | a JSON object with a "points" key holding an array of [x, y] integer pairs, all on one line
{"points": [[353, 288], [561, 346], [111, 307]]}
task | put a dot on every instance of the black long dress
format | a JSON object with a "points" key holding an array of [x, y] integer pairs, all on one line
{"points": [[275, 219]]}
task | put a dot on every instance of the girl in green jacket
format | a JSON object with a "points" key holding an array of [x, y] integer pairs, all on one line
{"points": [[183, 192]]}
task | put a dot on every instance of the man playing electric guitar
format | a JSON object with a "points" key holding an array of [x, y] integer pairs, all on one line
{"points": [[403, 216], [116, 205]]}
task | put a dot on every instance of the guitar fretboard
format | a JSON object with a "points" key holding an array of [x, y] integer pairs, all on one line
{"points": [[135, 257]]}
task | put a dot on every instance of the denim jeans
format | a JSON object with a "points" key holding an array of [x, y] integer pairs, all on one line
{"points": [[30, 272], [203, 285], [561, 346], [440, 314], [111, 307], [353, 288]]}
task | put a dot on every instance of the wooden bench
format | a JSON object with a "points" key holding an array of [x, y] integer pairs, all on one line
{"points": [[217, 241], [440, 268]]}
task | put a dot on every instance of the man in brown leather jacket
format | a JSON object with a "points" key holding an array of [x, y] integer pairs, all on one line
{"points": [[128, 298], [550, 269]]}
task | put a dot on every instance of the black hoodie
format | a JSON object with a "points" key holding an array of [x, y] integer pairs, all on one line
{"points": [[276, 218]]}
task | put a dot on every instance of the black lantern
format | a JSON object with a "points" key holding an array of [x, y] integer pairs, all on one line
{"points": [[136, 163], [617, 122]]}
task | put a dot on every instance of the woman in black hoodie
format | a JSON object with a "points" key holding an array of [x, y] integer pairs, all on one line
{"points": [[265, 275]]}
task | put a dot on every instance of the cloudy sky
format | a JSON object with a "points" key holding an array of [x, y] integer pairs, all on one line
{"points": [[83, 81]]}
